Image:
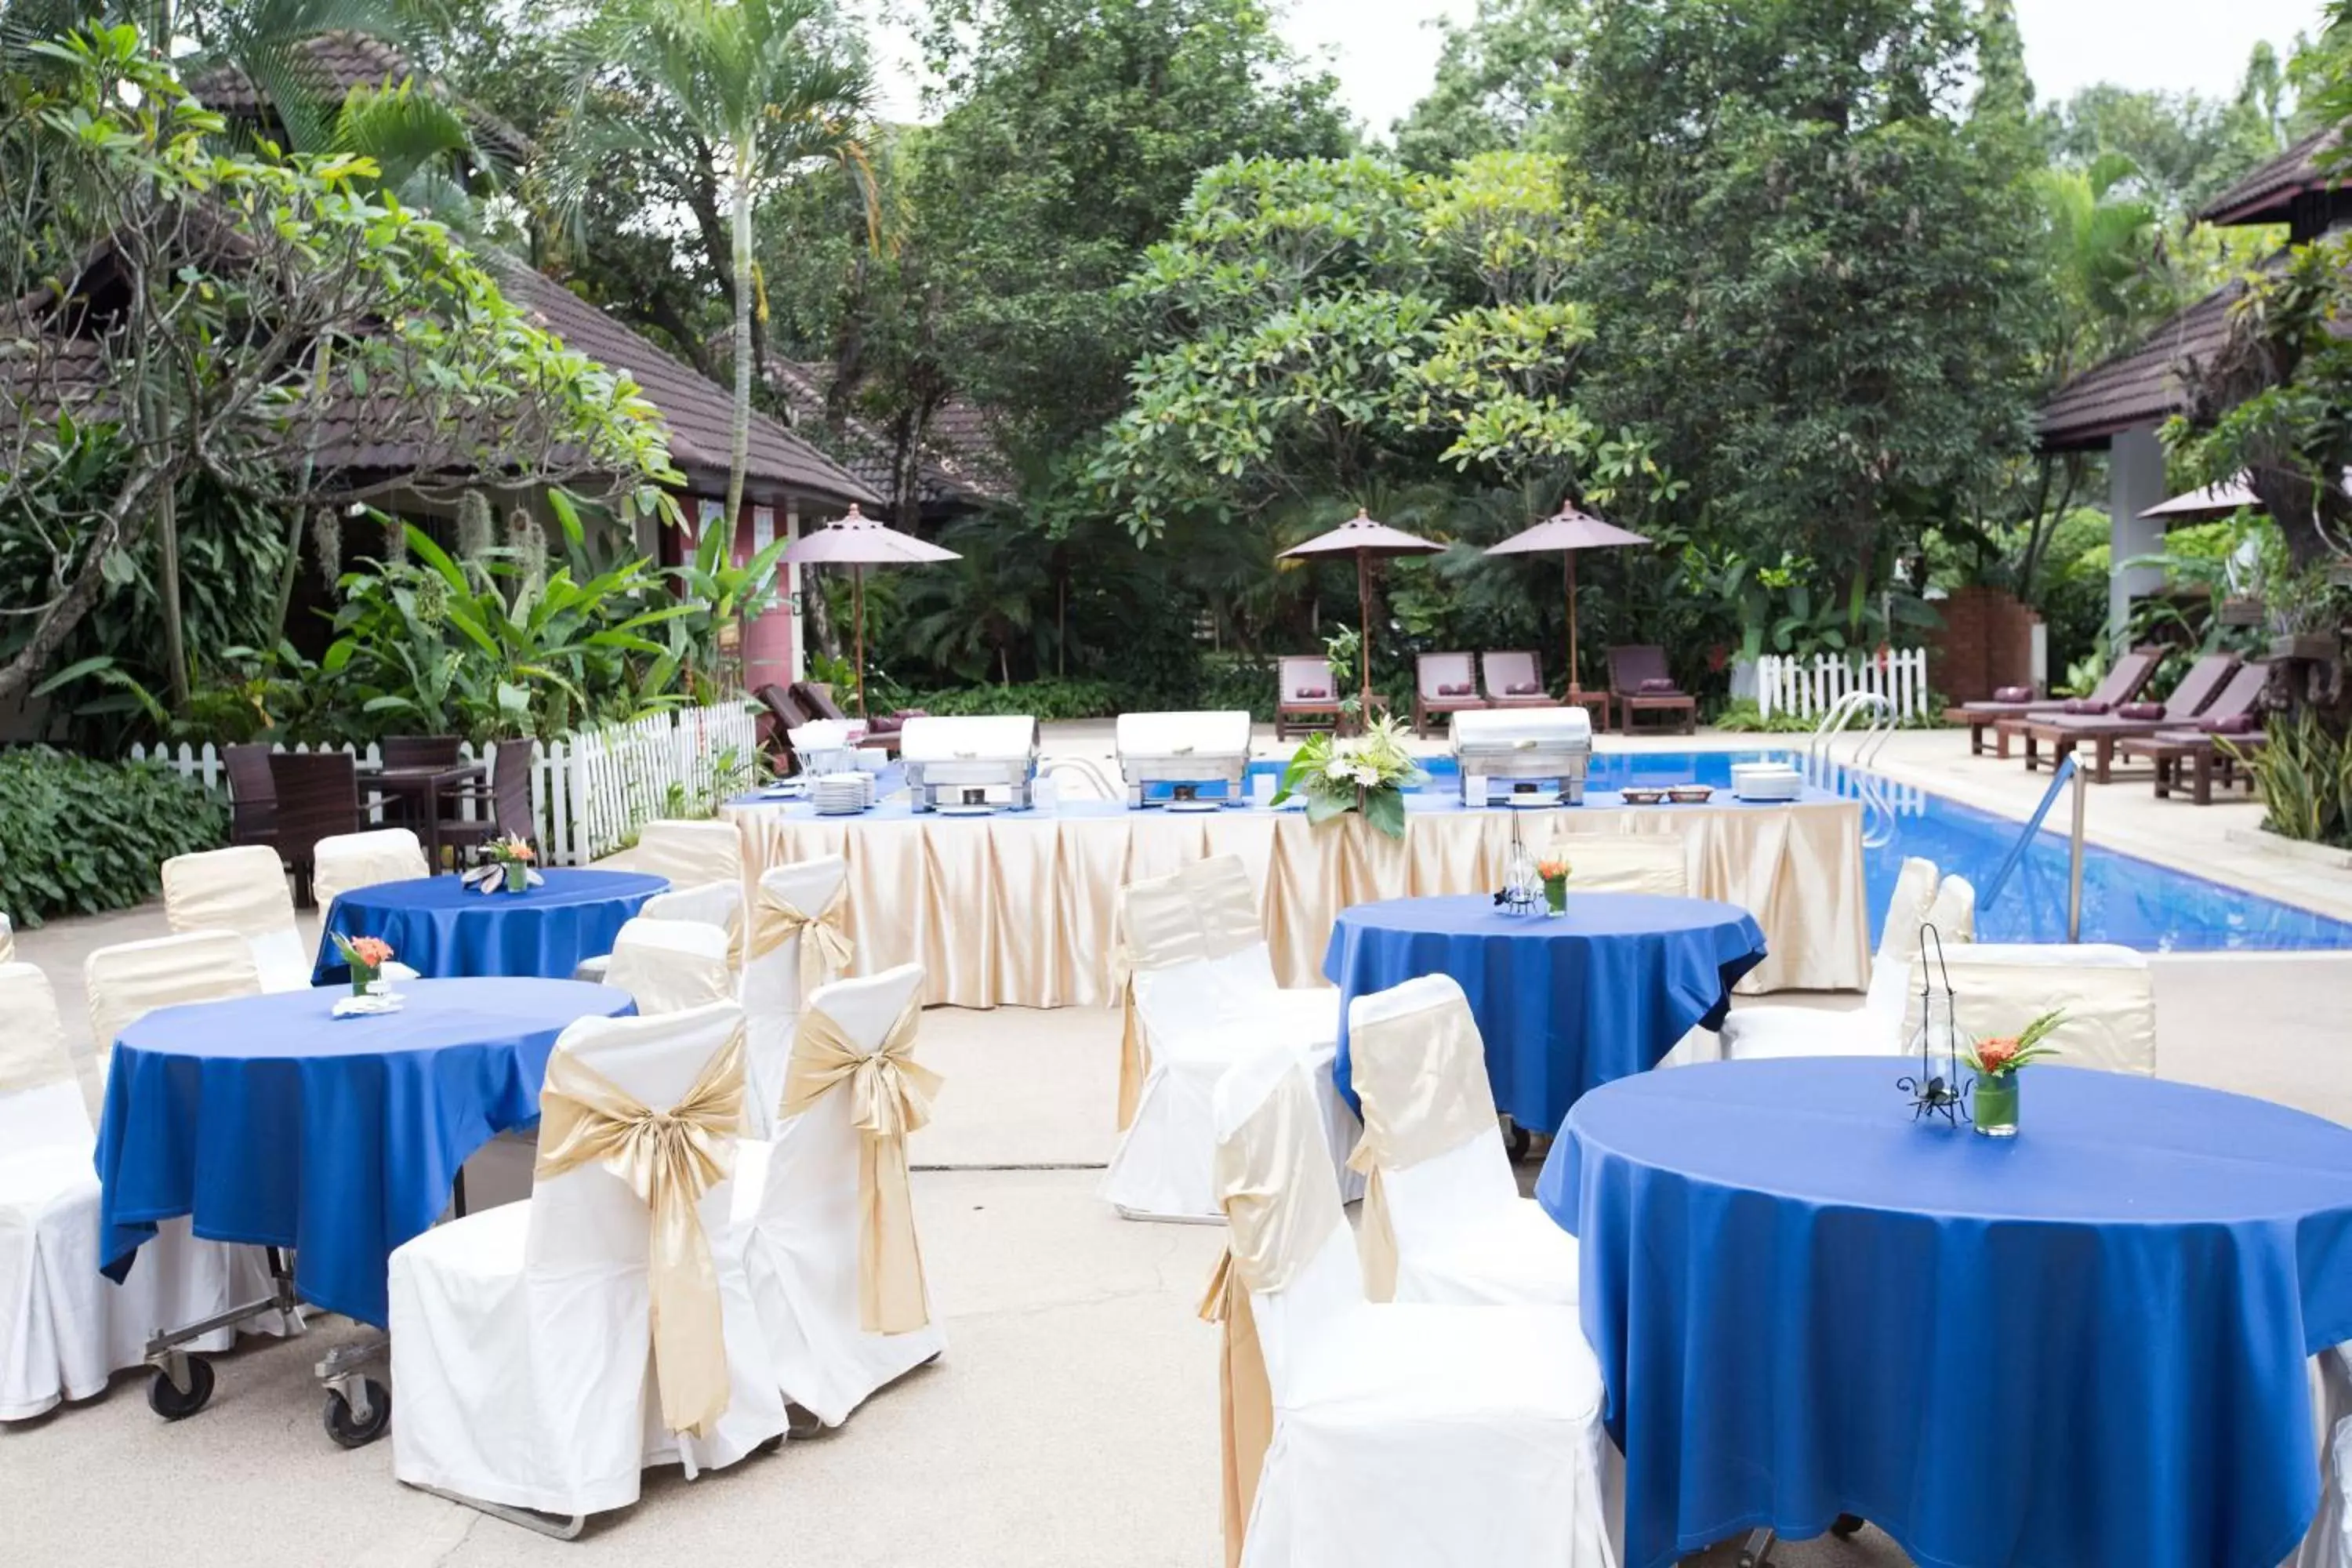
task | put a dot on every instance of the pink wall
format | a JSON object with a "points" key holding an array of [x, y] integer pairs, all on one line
{"points": [[771, 640]]}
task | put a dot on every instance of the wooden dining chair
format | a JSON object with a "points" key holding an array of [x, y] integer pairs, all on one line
{"points": [[252, 797], [318, 797], [502, 806], [419, 751]]}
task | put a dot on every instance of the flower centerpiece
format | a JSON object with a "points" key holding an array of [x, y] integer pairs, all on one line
{"points": [[513, 855], [366, 956], [1554, 870], [1367, 773], [1995, 1061]]}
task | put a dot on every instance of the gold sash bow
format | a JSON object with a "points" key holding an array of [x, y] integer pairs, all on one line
{"points": [[1134, 1056], [890, 1096], [669, 1159], [1421, 1081], [1245, 1399], [826, 948]]}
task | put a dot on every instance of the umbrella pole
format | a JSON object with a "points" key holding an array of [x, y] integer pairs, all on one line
{"points": [[1568, 570], [1364, 636], [857, 600]]}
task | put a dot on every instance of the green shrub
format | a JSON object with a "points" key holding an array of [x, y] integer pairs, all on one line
{"points": [[79, 838], [1231, 680], [1048, 699]]}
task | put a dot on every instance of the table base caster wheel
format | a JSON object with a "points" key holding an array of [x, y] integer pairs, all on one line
{"points": [[352, 1430], [1518, 1139], [172, 1402], [1846, 1526]]}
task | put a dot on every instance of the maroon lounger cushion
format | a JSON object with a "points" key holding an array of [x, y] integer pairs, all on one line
{"points": [[2141, 712], [2012, 694], [1659, 685], [1523, 689], [1312, 693], [1454, 688], [2230, 724], [2084, 705]]}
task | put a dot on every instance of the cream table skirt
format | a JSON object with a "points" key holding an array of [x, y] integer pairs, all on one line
{"points": [[1017, 910]]}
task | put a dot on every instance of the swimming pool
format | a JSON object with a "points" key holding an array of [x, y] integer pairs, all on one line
{"points": [[2126, 899]]}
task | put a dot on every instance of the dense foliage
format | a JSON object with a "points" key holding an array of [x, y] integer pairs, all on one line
{"points": [[80, 838]]}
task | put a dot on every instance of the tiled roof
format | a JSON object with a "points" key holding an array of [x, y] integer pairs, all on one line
{"points": [[2140, 387], [2267, 194], [699, 411], [961, 464], [334, 63]]}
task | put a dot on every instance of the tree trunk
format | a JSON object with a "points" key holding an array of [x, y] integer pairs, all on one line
{"points": [[57, 623], [167, 589], [738, 441]]}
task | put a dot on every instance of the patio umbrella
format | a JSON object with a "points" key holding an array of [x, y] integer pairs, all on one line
{"points": [[857, 542], [1569, 532], [1361, 537], [2213, 501]]}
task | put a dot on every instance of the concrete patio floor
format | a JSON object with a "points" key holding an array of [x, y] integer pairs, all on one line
{"points": [[1074, 1419]]}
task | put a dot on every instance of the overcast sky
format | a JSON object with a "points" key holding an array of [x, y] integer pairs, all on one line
{"points": [[1385, 51]]}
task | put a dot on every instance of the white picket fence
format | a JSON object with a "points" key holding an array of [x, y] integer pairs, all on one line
{"points": [[1811, 687], [592, 789]]}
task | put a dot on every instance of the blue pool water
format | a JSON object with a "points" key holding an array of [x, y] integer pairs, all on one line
{"points": [[2126, 899]]}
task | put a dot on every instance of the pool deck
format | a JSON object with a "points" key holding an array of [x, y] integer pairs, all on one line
{"points": [[1073, 1423]]}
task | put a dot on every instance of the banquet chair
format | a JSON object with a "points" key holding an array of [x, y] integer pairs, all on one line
{"points": [[242, 889], [1656, 863], [8, 941], [64, 1327], [719, 904], [1876, 1028], [833, 1255], [2329, 1543], [348, 860], [1443, 1219], [671, 967], [2108, 994], [1370, 1436], [796, 943], [690, 853], [532, 1380], [1200, 996]]}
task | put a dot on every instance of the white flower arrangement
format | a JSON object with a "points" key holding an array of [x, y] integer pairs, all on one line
{"points": [[1368, 773]]}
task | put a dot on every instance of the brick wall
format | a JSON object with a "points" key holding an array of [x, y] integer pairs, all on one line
{"points": [[1985, 642]]}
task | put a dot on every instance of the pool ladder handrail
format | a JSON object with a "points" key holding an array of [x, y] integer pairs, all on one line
{"points": [[2065, 773], [1086, 769], [1878, 814]]}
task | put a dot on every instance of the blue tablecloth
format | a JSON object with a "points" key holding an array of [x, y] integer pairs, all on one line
{"points": [[1565, 1005], [2081, 1348], [272, 1122], [443, 930]]}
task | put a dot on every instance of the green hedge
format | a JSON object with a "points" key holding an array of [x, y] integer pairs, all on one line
{"points": [[80, 837], [1047, 700]]}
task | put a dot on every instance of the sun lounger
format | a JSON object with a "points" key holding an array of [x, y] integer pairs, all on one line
{"points": [[2121, 684], [2205, 755], [1307, 698], [1443, 683], [1513, 678], [1639, 681], [2195, 697]]}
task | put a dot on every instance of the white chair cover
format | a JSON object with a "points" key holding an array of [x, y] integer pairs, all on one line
{"points": [[1202, 998], [243, 889], [1443, 1220], [671, 967], [348, 860], [2108, 993], [803, 1254], [717, 904], [1626, 863], [2329, 1543], [787, 959], [64, 1327], [522, 1336], [8, 941], [690, 853], [125, 983], [1401, 1436], [1921, 896]]}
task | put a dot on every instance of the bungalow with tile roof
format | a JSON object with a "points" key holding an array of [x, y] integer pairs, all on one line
{"points": [[2119, 404]]}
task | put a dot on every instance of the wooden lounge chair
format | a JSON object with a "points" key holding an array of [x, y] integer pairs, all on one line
{"points": [[2202, 754], [2121, 684], [1307, 698], [1640, 683], [2194, 697], [817, 700], [1513, 678], [1443, 683], [783, 713]]}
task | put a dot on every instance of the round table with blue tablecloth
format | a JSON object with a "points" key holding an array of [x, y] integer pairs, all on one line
{"points": [[1565, 1003], [269, 1121], [2083, 1347], [445, 930]]}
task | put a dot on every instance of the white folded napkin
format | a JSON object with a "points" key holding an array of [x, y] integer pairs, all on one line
{"points": [[490, 879], [374, 1004], [393, 969]]}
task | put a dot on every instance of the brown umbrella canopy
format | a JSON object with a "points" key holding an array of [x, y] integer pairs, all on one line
{"points": [[1364, 539], [1569, 532], [857, 542]]}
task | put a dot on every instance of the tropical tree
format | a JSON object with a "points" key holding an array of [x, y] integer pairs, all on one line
{"points": [[712, 105]]}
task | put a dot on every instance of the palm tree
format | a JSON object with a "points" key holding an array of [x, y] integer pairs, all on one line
{"points": [[718, 102]]}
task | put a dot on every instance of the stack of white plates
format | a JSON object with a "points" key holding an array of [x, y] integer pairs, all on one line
{"points": [[839, 794], [1766, 781]]}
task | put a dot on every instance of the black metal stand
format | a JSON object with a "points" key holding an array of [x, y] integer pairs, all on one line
{"points": [[1756, 1551]]}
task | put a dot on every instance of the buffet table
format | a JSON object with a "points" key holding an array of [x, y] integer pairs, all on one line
{"points": [[1017, 908]]}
